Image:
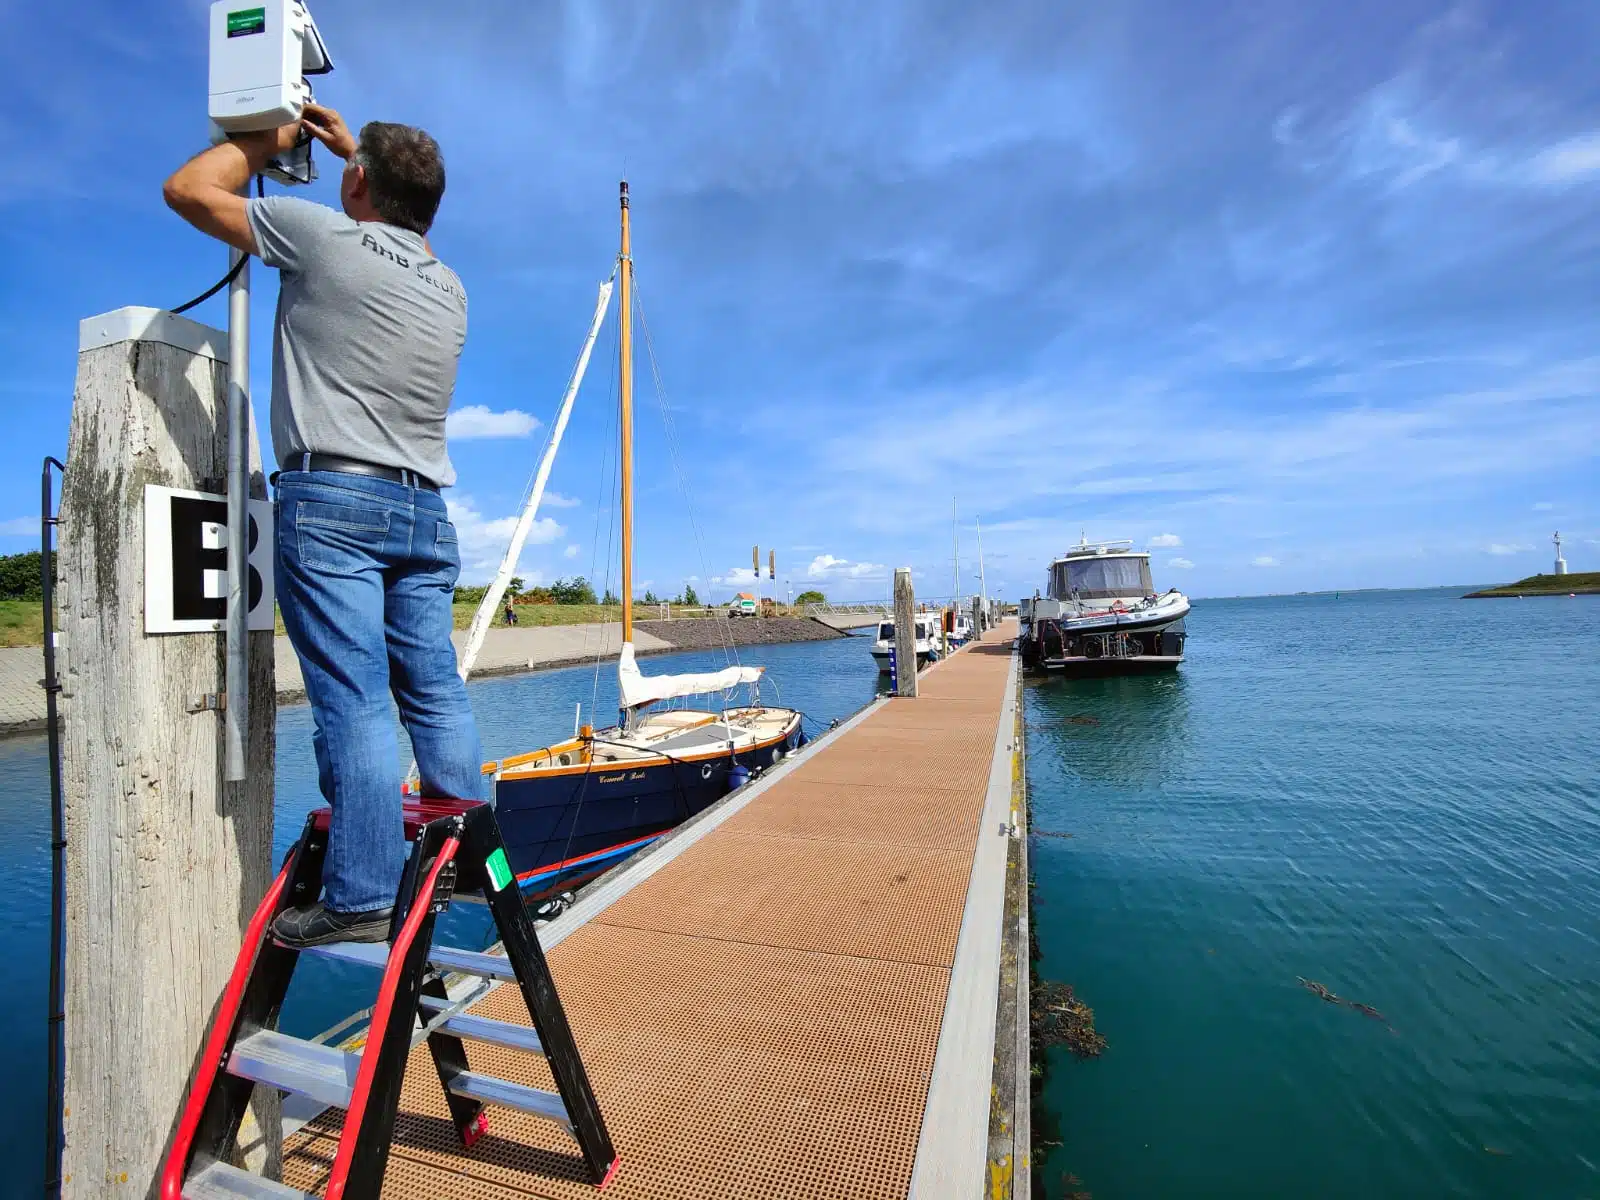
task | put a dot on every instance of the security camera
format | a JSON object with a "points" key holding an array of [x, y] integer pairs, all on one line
{"points": [[261, 54]]}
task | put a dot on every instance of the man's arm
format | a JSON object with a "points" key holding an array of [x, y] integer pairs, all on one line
{"points": [[205, 191]]}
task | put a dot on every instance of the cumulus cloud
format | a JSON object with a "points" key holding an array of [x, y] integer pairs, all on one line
{"points": [[480, 421], [1507, 548], [1263, 560], [736, 577], [557, 500], [1183, 564], [570, 552], [1166, 541], [826, 566], [20, 527], [483, 539]]}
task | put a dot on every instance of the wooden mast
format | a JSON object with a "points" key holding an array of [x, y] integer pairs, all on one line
{"points": [[625, 317]]}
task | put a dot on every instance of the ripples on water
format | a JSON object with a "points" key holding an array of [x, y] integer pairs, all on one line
{"points": [[825, 680], [1393, 794]]}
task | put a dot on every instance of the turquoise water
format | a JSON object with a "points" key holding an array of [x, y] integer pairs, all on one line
{"points": [[1392, 794], [825, 680]]}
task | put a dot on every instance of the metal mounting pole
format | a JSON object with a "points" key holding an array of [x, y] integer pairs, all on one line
{"points": [[56, 1026], [235, 716]]}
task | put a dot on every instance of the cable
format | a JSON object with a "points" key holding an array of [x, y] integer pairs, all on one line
{"points": [[233, 271]]}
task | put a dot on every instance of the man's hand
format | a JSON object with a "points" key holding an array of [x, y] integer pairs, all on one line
{"points": [[328, 127]]}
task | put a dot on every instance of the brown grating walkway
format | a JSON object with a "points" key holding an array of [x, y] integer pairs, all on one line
{"points": [[759, 1017]]}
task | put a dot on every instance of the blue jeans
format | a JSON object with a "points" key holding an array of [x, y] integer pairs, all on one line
{"points": [[366, 576]]}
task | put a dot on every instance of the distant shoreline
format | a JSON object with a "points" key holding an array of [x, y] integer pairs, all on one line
{"points": [[1585, 583]]}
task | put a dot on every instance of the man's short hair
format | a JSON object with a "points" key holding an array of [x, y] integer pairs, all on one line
{"points": [[405, 173]]}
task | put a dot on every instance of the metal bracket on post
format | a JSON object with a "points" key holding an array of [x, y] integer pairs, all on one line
{"points": [[236, 702]]}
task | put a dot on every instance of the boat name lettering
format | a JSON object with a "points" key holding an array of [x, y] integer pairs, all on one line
{"points": [[620, 776]]}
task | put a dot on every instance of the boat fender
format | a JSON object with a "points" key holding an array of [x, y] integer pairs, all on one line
{"points": [[738, 776]]}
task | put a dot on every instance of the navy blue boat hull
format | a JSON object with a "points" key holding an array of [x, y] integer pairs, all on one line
{"points": [[563, 828]]}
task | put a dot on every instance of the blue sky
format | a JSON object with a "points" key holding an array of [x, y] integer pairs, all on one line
{"points": [[1300, 295]]}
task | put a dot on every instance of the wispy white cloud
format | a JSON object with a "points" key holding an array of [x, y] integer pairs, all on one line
{"points": [[735, 577], [570, 552], [1263, 560], [1507, 548], [1543, 506], [1183, 564], [1165, 541], [557, 500], [1571, 161], [483, 540], [480, 421], [20, 527], [826, 566]]}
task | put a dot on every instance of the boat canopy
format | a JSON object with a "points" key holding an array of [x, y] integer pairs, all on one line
{"points": [[1102, 577], [636, 688]]}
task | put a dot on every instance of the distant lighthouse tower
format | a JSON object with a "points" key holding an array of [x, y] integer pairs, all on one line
{"points": [[1561, 563]]}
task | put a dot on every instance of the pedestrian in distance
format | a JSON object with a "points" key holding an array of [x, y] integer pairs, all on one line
{"points": [[369, 330]]}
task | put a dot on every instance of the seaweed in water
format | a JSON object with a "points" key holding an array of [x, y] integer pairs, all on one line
{"points": [[1061, 1019], [1050, 833], [1072, 1188], [1366, 1010], [1082, 719]]}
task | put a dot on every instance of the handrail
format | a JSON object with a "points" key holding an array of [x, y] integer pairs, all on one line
{"points": [[339, 1177], [217, 1042]]}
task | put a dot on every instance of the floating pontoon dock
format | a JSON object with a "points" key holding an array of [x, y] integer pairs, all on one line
{"points": [[795, 995]]}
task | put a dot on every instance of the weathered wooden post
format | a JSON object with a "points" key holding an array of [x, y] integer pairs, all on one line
{"points": [[977, 619], [165, 861], [905, 633]]}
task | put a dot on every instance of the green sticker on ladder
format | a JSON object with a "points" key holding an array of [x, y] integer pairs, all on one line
{"points": [[499, 869]]}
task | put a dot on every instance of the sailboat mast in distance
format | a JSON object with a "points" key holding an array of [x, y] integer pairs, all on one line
{"points": [[955, 540], [625, 357]]}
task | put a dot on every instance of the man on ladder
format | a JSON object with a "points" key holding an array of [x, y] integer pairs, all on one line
{"points": [[369, 329]]}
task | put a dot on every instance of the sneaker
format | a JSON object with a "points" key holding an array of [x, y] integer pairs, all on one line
{"points": [[317, 925]]}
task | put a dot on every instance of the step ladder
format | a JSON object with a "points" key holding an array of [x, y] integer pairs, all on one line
{"points": [[456, 847]]}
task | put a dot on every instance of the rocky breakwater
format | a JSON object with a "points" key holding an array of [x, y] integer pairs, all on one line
{"points": [[710, 633]]}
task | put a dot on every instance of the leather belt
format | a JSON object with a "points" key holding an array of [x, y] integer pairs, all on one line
{"points": [[355, 466]]}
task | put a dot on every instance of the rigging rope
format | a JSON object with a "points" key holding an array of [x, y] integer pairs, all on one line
{"points": [[730, 651]]}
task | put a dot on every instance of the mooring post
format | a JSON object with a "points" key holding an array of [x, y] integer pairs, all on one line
{"points": [[977, 618], [905, 633], [165, 859]]}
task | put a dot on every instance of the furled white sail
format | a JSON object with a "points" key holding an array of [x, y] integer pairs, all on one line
{"points": [[482, 619], [636, 688]]}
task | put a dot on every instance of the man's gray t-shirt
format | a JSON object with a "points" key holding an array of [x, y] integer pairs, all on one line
{"points": [[369, 330]]}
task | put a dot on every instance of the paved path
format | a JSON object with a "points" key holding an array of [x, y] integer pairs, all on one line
{"points": [[504, 651], [21, 697]]}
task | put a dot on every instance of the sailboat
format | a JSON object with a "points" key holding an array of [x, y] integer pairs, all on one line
{"points": [[569, 811]]}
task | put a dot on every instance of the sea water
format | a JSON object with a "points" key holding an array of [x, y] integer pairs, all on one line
{"points": [[1395, 795], [825, 680]]}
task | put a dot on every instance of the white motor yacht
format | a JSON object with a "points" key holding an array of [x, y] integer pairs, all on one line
{"points": [[1101, 615]]}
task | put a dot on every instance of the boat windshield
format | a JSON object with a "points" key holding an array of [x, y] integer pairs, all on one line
{"points": [[1101, 578], [886, 631]]}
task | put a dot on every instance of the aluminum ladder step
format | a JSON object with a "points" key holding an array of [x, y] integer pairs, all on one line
{"points": [[219, 1181], [322, 1073], [482, 1029], [448, 958], [491, 1090]]}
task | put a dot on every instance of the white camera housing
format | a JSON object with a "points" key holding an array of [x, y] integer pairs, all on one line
{"points": [[261, 53]]}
